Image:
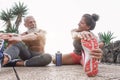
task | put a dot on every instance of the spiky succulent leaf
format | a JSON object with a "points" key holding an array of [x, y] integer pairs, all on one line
{"points": [[106, 37]]}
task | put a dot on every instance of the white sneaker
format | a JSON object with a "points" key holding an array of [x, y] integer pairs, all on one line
{"points": [[1, 51]]}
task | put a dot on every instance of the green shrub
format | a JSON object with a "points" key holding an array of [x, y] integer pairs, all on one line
{"points": [[106, 37]]}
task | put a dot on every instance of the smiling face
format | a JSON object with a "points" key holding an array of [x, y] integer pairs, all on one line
{"points": [[30, 22], [82, 26]]}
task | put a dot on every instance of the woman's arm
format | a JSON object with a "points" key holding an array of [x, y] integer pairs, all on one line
{"points": [[86, 35]]}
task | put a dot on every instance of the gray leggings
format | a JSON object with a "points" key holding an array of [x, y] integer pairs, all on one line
{"points": [[20, 50]]}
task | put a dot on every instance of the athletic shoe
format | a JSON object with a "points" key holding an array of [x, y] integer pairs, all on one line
{"points": [[1, 45], [1, 51], [12, 63], [90, 64]]}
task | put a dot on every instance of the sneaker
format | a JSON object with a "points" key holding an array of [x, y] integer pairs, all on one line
{"points": [[12, 63], [90, 64], [1, 51], [1, 45]]}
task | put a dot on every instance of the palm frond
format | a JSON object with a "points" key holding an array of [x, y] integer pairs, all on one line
{"points": [[6, 15], [19, 9]]}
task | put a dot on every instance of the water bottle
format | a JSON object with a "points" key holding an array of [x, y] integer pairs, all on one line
{"points": [[58, 58]]}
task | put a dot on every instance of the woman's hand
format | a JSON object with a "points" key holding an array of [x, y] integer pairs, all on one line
{"points": [[96, 53], [86, 35]]}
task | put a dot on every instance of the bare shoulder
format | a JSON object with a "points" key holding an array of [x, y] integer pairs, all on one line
{"points": [[42, 31]]}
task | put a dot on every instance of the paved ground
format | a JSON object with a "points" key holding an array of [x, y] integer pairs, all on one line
{"points": [[65, 72]]}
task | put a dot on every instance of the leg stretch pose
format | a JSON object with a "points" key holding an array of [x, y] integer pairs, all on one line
{"points": [[86, 48]]}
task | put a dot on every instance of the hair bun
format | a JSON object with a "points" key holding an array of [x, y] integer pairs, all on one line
{"points": [[95, 17]]}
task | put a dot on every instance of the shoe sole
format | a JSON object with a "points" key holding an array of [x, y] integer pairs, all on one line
{"points": [[90, 64]]}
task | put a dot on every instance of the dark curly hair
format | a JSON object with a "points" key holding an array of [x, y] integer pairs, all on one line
{"points": [[91, 20]]}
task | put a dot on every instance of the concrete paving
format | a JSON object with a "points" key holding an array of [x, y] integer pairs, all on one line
{"points": [[7, 74], [64, 72]]}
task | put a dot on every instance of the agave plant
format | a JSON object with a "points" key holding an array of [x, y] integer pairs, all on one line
{"points": [[19, 10], [106, 37], [7, 17], [12, 29], [15, 15]]}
